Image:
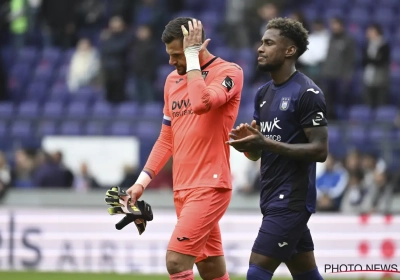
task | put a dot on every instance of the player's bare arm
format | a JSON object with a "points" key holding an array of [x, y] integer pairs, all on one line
{"points": [[314, 151]]}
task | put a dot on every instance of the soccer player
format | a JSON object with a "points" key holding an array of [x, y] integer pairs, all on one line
{"points": [[289, 133], [202, 99]]}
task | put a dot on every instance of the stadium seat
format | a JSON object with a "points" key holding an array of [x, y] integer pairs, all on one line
{"points": [[359, 16], [43, 74], [27, 55], [335, 134], [102, 110], [147, 130], [333, 12], [94, 128], [86, 94], [36, 91], [77, 110], [152, 110], [59, 93], [385, 16], [53, 109], [386, 114], [28, 110], [378, 134], [47, 128], [51, 55], [6, 110], [360, 113], [21, 129], [367, 4], [356, 134], [121, 128], [127, 110], [71, 128], [3, 129]]}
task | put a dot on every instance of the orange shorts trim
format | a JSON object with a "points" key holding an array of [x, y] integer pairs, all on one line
{"points": [[197, 231]]}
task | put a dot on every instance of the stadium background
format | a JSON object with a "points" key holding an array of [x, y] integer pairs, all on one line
{"points": [[77, 116]]}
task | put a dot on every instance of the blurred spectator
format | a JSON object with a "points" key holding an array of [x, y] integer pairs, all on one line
{"points": [[114, 47], [50, 172], [19, 22], [84, 67], [256, 19], [90, 16], [339, 66], [313, 59], [376, 63], [5, 175], [84, 181], [331, 185], [131, 174], [145, 61], [372, 165], [59, 18], [353, 198], [353, 161], [124, 9], [235, 31], [23, 169], [33, 10]]}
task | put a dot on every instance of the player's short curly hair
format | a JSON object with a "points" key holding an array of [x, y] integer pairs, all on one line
{"points": [[173, 30], [293, 30]]}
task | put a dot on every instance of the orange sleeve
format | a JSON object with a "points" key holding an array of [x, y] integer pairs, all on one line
{"points": [[226, 84], [162, 149]]}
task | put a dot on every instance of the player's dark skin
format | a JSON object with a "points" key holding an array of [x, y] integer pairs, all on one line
{"points": [[277, 55]]}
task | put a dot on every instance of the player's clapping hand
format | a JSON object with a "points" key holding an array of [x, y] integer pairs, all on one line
{"points": [[194, 36], [247, 138]]}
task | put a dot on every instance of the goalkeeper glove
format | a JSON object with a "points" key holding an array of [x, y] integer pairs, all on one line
{"points": [[120, 201]]}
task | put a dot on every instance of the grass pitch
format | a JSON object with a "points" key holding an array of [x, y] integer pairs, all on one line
{"points": [[93, 276]]}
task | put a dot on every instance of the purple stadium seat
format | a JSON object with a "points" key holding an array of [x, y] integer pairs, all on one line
{"points": [[395, 54], [377, 134], [360, 16], [360, 113], [363, 3], [67, 56], [225, 53], [94, 128], [85, 94], [127, 110], [6, 110], [335, 134], [28, 110], [152, 110], [386, 113], [51, 55], [43, 73], [36, 91], [27, 55], [148, 130], [63, 73], [102, 109], [53, 109], [21, 129], [59, 93], [162, 73], [121, 128], [333, 12], [71, 128], [356, 134], [47, 128], [337, 4], [3, 129], [393, 4], [385, 16], [77, 110]]}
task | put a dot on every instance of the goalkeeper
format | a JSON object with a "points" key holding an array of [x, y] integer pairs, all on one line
{"points": [[202, 99]]}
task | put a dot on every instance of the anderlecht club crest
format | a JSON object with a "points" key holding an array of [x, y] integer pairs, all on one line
{"points": [[285, 101]]}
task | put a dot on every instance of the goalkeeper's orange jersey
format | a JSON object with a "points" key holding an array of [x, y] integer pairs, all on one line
{"points": [[198, 117]]}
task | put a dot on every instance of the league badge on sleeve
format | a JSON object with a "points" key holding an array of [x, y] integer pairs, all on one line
{"points": [[285, 102], [228, 83]]}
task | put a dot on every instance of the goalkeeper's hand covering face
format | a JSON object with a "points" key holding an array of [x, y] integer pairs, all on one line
{"points": [[119, 201]]}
